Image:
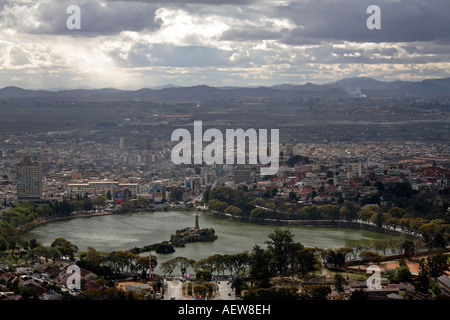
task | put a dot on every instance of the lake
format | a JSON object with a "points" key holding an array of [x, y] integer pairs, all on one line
{"points": [[125, 231]]}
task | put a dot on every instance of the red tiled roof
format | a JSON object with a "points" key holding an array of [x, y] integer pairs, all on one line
{"points": [[38, 289], [53, 270]]}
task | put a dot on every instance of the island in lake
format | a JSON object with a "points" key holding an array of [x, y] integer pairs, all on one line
{"points": [[196, 234], [180, 238]]}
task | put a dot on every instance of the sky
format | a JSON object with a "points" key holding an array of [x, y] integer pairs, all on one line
{"points": [[132, 44]]}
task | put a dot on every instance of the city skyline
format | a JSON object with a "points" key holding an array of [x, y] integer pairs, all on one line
{"points": [[136, 44]]}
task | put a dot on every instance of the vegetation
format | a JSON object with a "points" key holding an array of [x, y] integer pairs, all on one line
{"points": [[419, 214], [181, 237]]}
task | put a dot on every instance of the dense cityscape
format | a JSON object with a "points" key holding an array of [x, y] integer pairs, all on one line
{"points": [[398, 188]]}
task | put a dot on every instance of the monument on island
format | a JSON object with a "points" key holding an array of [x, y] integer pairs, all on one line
{"points": [[196, 221], [180, 238], [194, 234]]}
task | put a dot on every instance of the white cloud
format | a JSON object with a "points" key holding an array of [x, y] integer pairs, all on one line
{"points": [[142, 43]]}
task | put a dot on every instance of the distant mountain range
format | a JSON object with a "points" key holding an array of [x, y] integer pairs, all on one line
{"points": [[350, 87]]}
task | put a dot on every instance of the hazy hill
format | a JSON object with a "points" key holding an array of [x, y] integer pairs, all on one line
{"points": [[350, 87]]}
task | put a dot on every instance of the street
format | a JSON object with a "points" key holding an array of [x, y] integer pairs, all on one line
{"points": [[224, 291], [174, 290]]}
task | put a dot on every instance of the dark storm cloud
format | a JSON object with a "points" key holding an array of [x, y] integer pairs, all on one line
{"points": [[401, 21], [180, 2], [50, 17]]}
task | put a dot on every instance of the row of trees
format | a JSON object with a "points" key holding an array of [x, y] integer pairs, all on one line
{"points": [[27, 212], [117, 263], [284, 256], [436, 232], [281, 257]]}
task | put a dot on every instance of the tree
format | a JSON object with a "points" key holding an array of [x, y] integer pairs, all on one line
{"points": [[217, 205], [234, 211], [337, 258], [403, 274], [408, 248], [183, 264], [397, 212], [274, 192], [27, 293], [379, 185], [176, 194], [315, 292], [204, 275], [142, 265], [169, 266], [260, 269], [378, 219], [100, 201], [239, 262], [306, 261], [296, 158], [33, 243], [423, 281], [44, 210], [66, 248], [329, 211], [349, 211], [437, 265], [206, 194], [433, 235], [87, 205], [164, 248], [91, 260], [355, 249], [45, 252], [365, 214], [380, 246], [339, 282], [369, 256], [3, 244], [258, 213], [200, 290], [292, 196], [238, 284], [280, 245]]}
